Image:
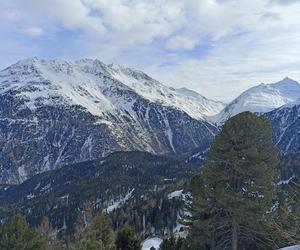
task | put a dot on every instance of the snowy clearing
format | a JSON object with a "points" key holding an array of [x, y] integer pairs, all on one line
{"points": [[296, 247], [151, 242]]}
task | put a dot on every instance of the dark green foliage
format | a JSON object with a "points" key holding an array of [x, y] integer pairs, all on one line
{"points": [[46, 230], [152, 211], [99, 236], [235, 189], [127, 239], [285, 220], [62, 193], [89, 242], [102, 228], [173, 244], [16, 235]]}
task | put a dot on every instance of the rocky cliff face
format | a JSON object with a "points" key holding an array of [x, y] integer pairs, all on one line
{"points": [[56, 112], [286, 127]]}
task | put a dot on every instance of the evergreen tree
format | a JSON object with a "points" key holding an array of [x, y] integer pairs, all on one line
{"points": [[46, 230], [127, 239], [233, 193], [102, 228], [17, 235], [173, 244], [285, 220], [89, 242], [84, 220], [100, 235]]}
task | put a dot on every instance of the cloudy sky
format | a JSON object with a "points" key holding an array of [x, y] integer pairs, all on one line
{"points": [[216, 47]]}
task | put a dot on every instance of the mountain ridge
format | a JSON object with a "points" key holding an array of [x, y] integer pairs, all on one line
{"points": [[56, 112], [88, 69], [261, 98]]}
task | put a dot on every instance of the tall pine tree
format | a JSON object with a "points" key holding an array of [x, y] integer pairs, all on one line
{"points": [[128, 239], [233, 193], [98, 236], [17, 235]]}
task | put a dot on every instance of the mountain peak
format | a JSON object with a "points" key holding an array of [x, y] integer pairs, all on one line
{"points": [[262, 98], [82, 109], [287, 82], [85, 82], [287, 79]]}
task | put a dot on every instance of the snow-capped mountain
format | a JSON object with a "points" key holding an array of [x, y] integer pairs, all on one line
{"points": [[78, 82], [191, 102], [286, 127], [54, 112], [260, 99], [208, 107]]}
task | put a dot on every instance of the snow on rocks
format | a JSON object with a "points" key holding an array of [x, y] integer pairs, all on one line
{"points": [[260, 99], [83, 83], [119, 203], [176, 193], [151, 242]]}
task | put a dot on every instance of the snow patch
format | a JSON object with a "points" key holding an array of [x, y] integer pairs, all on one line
{"points": [[151, 242], [286, 181], [118, 203], [177, 193]]}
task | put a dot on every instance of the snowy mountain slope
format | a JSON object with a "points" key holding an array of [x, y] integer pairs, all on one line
{"points": [[80, 85], [286, 127], [208, 107], [194, 104], [57, 112], [262, 98]]}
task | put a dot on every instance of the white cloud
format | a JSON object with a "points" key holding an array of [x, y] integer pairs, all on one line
{"points": [[244, 42], [34, 31], [180, 42], [285, 2]]}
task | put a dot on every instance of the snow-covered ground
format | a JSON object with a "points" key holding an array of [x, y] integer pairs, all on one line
{"points": [[156, 242], [119, 203], [176, 193], [151, 242], [296, 247], [286, 181]]}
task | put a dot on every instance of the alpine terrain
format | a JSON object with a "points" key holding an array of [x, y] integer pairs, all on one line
{"points": [[261, 99], [286, 127], [54, 112]]}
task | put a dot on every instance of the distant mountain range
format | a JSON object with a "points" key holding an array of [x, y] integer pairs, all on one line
{"points": [[55, 112], [261, 99]]}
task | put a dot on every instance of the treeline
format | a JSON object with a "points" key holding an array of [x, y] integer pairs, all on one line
{"points": [[61, 193], [152, 213], [237, 202], [99, 235]]}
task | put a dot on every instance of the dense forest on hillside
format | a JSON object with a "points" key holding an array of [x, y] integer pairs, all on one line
{"points": [[245, 197], [132, 186]]}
